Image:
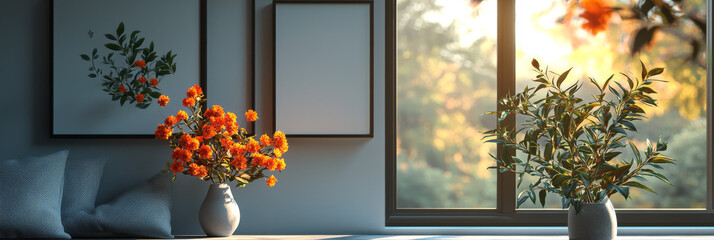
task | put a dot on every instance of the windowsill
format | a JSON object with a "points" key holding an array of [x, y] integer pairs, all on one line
{"points": [[432, 237], [549, 231]]}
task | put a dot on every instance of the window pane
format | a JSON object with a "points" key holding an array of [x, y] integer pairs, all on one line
{"points": [[552, 31], [446, 78]]}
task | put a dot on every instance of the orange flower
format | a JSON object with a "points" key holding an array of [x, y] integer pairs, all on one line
{"points": [[251, 115], [196, 170], [240, 162], [194, 91], [253, 146], [281, 165], [208, 132], [177, 167], [271, 181], [205, 152], [188, 142], [265, 140], [142, 80], [163, 100], [139, 97], [170, 120], [597, 13], [215, 111], [226, 143], [163, 132], [230, 117], [232, 128], [272, 164], [260, 160], [187, 102], [180, 154], [181, 115], [280, 142], [140, 63], [277, 152], [122, 89], [153, 82], [237, 149]]}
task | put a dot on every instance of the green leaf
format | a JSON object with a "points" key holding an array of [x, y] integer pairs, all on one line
{"points": [[110, 37], [155, 94], [85, 57], [521, 200], [655, 72], [624, 191], [535, 64], [644, 69], [542, 194], [123, 99], [120, 28], [565, 202], [139, 42], [532, 196], [562, 77], [636, 152], [638, 185], [92, 75], [113, 46]]}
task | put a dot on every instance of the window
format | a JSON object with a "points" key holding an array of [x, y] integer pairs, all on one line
{"points": [[448, 62]]}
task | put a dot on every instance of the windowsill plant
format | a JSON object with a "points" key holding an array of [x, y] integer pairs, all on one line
{"points": [[574, 147]]}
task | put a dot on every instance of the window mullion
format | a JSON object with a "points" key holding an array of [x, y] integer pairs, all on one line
{"points": [[710, 136], [506, 77]]}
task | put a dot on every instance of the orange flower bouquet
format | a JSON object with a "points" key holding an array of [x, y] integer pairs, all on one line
{"points": [[213, 147]]}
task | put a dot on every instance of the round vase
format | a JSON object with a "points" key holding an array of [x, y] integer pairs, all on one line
{"points": [[219, 214], [595, 221]]}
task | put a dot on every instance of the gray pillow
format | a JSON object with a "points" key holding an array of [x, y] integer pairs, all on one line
{"points": [[81, 183], [31, 197], [144, 211]]}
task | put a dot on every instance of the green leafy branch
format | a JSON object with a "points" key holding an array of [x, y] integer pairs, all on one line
{"points": [[126, 79], [571, 145]]}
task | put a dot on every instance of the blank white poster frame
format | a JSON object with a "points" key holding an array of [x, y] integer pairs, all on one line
{"points": [[323, 81]]}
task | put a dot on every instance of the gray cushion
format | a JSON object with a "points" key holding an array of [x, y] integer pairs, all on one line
{"points": [[31, 197], [143, 211], [81, 184]]}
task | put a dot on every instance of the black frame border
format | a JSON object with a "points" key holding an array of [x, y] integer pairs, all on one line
{"points": [[371, 68]]}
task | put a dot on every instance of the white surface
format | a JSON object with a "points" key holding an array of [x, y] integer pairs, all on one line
{"points": [[229, 56], [80, 105], [322, 63], [429, 237]]}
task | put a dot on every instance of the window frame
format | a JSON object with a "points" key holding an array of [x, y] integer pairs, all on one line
{"points": [[505, 213]]}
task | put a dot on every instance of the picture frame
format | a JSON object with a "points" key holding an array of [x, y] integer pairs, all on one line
{"points": [[79, 107], [332, 94]]}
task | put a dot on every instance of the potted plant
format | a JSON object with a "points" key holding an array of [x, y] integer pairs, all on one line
{"points": [[573, 146], [212, 146]]}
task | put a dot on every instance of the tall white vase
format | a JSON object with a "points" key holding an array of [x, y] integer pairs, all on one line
{"points": [[595, 221], [219, 214]]}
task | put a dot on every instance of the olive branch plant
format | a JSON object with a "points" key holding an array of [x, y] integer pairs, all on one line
{"points": [[573, 146], [126, 78]]}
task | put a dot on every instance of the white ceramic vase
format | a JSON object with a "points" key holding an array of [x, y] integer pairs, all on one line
{"points": [[595, 221], [219, 214]]}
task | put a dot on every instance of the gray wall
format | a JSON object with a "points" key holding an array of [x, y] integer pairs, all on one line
{"points": [[330, 186]]}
